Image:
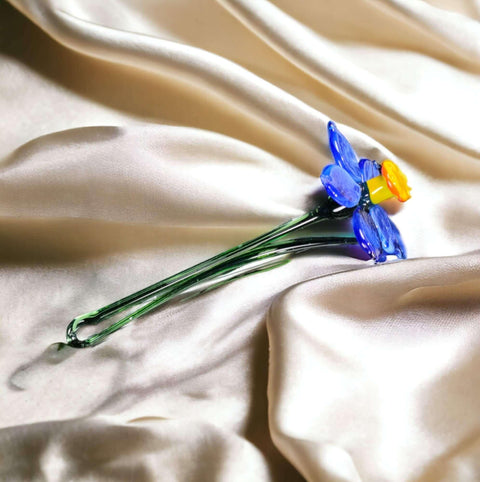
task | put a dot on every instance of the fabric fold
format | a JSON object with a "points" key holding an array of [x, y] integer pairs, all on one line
{"points": [[375, 366], [320, 58], [139, 138], [144, 450], [219, 76]]}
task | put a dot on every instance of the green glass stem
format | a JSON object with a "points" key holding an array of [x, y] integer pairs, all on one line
{"points": [[276, 255], [265, 248]]}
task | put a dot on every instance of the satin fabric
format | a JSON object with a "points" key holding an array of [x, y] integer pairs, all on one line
{"points": [[140, 137]]}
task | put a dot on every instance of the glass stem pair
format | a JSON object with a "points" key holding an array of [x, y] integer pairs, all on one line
{"points": [[264, 252]]}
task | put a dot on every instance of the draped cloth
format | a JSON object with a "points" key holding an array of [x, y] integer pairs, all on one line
{"points": [[140, 137]]}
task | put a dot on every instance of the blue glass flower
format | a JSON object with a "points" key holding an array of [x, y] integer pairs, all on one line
{"points": [[364, 184]]}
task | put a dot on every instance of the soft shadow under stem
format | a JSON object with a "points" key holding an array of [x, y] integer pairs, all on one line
{"points": [[266, 251]]}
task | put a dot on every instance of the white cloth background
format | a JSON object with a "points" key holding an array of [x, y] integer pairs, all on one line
{"points": [[139, 137]]}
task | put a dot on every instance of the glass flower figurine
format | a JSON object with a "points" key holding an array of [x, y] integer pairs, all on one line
{"points": [[355, 189]]}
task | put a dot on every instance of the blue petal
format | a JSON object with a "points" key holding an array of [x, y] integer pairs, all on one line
{"points": [[392, 242], [369, 169], [367, 236], [343, 152], [340, 186]]}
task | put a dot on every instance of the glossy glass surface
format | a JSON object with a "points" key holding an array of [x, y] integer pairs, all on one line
{"points": [[369, 169], [367, 235], [387, 231], [343, 152], [396, 180], [340, 186]]}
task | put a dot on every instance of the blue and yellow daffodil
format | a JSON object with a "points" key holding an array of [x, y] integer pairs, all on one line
{"points": [[365, 184]]}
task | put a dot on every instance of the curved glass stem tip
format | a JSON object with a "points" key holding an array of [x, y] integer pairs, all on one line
{"points": [[266, 251]]}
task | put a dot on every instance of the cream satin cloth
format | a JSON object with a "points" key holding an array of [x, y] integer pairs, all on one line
{"points": [[139, 137]]}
